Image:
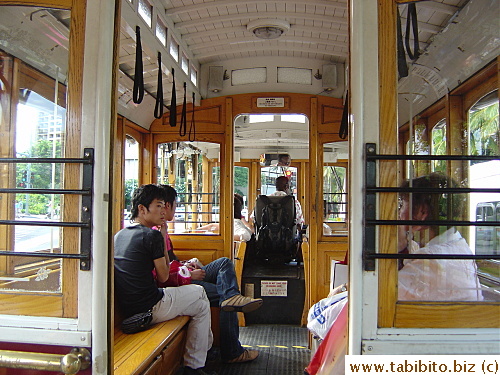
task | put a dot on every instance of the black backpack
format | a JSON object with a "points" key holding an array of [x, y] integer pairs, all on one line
{"points": [[276, 240]]}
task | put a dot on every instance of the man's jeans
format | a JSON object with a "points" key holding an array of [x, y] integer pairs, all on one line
{"points": [[220, 284]]}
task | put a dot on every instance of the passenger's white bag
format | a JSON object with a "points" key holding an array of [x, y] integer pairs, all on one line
{"points": [[323, 314]]}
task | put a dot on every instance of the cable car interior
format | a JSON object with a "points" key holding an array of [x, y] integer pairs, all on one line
{"points": [[222, 99]]}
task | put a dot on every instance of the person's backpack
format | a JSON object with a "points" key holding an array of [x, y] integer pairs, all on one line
{"points": [[276, 229]]}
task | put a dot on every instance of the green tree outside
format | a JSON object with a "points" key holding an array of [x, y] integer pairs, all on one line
{"points": [[39, 176]]}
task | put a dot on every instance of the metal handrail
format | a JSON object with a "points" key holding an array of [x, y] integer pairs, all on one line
{"points": [[85, 192], [77, 359]]}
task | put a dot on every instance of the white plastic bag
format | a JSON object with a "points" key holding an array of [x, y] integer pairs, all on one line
{"points": [[323, 314]]}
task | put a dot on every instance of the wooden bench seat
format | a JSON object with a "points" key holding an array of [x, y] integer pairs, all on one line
{"points": [[158, 350]]}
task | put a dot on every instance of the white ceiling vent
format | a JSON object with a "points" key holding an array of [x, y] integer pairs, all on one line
{"points": [[268, 28]]}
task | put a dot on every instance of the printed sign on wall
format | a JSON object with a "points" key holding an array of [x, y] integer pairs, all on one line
{"points": [[276, 288]]}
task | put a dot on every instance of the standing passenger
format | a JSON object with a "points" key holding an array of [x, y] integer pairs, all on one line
{"points": [[140, 249]]}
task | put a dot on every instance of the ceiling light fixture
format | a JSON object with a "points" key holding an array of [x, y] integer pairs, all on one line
{"points": [[268, 28]]}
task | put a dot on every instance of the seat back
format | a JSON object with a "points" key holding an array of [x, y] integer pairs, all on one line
{"points": [[276, 239]]}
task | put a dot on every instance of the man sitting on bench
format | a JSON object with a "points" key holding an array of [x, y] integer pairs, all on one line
{"points": [[138, 250], [219, 280]]}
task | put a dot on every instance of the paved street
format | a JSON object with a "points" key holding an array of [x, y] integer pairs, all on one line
{"points": [[30, 238]]}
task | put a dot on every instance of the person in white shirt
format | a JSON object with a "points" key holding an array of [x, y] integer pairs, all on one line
{"points": [[434, 279], [282, 184], [242, 229]]}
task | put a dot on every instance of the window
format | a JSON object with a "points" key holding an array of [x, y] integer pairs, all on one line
{"points": [[484, 137], [185, 63], [268, 177], [295, 75], [246, 76], [438, 145], [260, 118], [193, 169], [161, 31], [36, 127], [409, 299], [174, 49], [146, 11], [484, 207], [334, 192], [241, 179], [131, 172], [294, 118], [194, 75]]}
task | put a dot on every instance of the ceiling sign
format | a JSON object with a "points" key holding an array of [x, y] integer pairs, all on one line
{"points": [[270, 102]]}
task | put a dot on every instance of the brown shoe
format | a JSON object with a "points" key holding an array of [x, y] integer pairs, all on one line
{"points": [[241, 303], [246, 356]]}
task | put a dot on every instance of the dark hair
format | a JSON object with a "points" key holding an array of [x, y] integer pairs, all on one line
{"points": [[144, 195], [281, 183], [238, 205], [441, 206], [169, 193]]}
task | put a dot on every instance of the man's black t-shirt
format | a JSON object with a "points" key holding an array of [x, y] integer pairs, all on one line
{"points": [[136, 248]]}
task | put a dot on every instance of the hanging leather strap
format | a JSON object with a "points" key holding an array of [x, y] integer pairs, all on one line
{"points": [[173, 103], [344, 123], [402, 66], [159, 92], [412, 22], [192, 128], [138, 93], [183, 126]]}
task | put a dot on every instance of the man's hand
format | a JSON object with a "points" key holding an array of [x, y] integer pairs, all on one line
{"points": [[197, 274]]}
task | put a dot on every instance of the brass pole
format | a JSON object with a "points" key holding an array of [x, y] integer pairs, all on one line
{"points": [[78, 359]]}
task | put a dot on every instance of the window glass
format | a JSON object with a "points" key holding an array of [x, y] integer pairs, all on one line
{"points": [[426, 75], [241, 180], [438, 145], [193, 169], [268, 177], [334, 192], [484, 137], [35, 102], [161, 31], [185, 63], [174, 49], [194, 75], [131, 171], [146, 11]]}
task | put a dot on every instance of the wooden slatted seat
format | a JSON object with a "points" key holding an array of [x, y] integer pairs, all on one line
{"points": [[158, 350]]}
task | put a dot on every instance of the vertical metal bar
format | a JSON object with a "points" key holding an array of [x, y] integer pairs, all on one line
{"points": [[370, 208], [86, 232]]}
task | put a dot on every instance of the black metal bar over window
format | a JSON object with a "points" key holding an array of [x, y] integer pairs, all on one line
{"points": [[370, 203], [85, 224]]}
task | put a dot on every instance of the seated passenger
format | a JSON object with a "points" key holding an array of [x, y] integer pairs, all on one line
{"points": [[138, 250], [242, 229], [282, 184], [434, 279], [219, 280]]}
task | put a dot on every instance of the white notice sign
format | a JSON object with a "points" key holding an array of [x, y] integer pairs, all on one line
{"points": [[273, 288], [270, 102]]}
